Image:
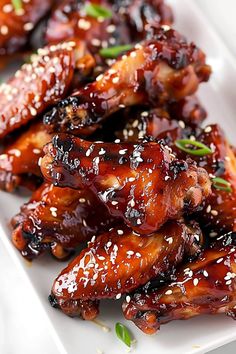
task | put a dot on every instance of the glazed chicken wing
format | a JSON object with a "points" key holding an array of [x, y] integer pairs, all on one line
{"points": [[16, 22], [39, 84], [219, 212], [19, 160], [124, 24], [120, 261], [174, 121], [155, 71], [58, 220], [142, 183], [205, 286]]}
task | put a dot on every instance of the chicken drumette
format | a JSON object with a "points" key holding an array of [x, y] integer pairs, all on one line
{"points": [[142, 183], [120, 261], [124, 21], [19, 161], [58, 219], [155, 71], [205, 286], [40, 84]]}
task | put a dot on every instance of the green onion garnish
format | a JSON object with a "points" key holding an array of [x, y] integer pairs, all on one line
{"points": [[185, 145], [97, 11], [17, 4], [123, 334], [114, 52], [221, 184]]}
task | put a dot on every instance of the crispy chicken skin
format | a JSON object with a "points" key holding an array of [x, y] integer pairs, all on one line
{"points": [[39, 84], [126, 25], [142, 183], [204, 286], [219, 212], [20, 159], [120, 261], [58, 220], [155, 71], [16, 24]]}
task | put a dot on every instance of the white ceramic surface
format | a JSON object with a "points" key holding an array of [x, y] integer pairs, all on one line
{"points": [[195, 336]]}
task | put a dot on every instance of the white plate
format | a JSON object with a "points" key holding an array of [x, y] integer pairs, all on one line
{"points": [[198, 335]]}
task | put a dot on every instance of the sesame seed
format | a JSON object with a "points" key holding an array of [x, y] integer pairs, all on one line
{"points": [[118, 296], [168, 292], [144, 114], [102, 152], [114, 202], [213, 234], [82, 200], [208, 129], [138, 255], [182, 124], [36, 151], [115, 80], [131, 179], [214, 212], [128, 298], [7, 8], [132, 203], [123, 152], [28, 26], [130, 253], [83, 24], [208, 209], [96, 42], [111, 29], [4, 30], [120, 232], [205, 273], [195, 281], [219, 260]]}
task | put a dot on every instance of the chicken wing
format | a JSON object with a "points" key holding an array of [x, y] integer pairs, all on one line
{"points": [[58, 220], [155, 71], [20, 159], [126, 23], [39, 84], [17, 22], [142, 183], [219, 212], [205, 286], [120, 261]]}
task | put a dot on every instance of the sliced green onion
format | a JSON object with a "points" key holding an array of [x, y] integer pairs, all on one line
{"points": [[123, 334], [185, 145], [97, 11], [221, 184], [17, 4], [114, 52]]}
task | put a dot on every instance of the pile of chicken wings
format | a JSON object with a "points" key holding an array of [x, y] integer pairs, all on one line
{"points": [[103, 125]]}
